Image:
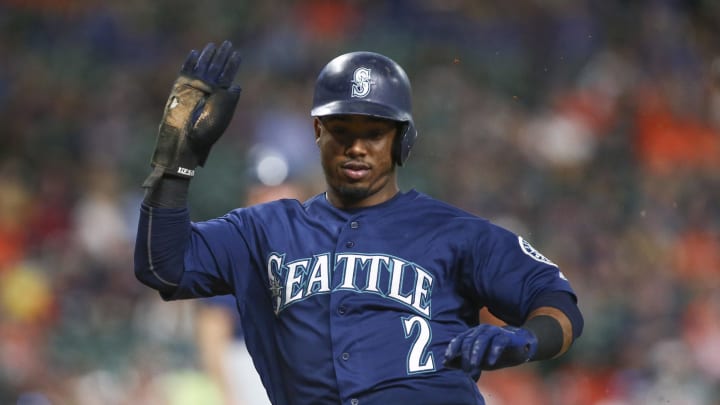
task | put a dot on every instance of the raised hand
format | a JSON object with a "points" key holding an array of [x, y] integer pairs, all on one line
{"points": [[199, 109]]}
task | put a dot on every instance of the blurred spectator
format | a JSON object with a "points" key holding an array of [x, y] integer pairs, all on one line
{"points": [[14, 213]]}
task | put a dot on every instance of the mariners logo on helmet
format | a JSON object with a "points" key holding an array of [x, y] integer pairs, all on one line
{"points": [[361, 82]]}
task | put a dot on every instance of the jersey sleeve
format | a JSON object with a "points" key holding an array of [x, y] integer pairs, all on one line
{"points": [[508, 274], [216, 252], [181, 259]]}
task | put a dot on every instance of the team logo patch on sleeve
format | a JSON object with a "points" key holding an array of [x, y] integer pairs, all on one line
{"points": [[529, 250]]}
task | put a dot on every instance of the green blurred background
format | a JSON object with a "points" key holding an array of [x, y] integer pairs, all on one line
{"points": [[590, 127]]}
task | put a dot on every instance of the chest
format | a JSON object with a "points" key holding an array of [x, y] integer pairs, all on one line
{"points": [[390, 264]]}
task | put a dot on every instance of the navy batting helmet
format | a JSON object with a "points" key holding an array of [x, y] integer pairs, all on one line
{"points": [[367, 83]]}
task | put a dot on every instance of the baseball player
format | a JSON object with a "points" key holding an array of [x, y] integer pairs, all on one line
{"points": [[363, 294]]}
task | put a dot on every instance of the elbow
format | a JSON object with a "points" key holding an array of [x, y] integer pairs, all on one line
{"points": [[159, 253], [143, 268], [143, 273], [157, 277], [562, 306]]}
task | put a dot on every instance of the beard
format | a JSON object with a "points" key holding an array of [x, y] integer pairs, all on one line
{"points": [[353, 193]]}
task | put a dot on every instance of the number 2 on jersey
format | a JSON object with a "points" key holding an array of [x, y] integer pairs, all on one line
{"points": [[419, 360]]}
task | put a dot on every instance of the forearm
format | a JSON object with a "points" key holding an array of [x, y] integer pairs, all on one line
{"points": [[168, 192], [556, 322], [163, 234], [214, 336], [552, 329]]}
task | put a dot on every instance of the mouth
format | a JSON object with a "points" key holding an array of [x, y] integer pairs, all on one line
{"points": [[355, 170]]}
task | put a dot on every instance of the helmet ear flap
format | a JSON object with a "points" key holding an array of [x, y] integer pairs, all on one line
{"points": [[407, 133]]}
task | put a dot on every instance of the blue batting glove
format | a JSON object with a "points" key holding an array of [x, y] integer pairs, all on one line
{"points": [[489, 347], [215, 66]]}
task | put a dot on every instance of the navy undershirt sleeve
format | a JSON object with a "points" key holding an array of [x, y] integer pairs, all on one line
{"points": [[162, 236], [565, 302]]}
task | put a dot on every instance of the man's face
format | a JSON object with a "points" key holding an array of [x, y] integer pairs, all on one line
{"points": [[356, 154]]}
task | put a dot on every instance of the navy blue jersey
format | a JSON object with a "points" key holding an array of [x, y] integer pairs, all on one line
{"points": [[228, 303], [358, 307]]}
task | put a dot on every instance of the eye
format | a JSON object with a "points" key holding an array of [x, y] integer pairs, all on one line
{"points": [[337, 130], [378, 133]]}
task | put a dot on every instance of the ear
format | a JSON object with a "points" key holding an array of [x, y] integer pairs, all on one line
{"points": [[397, 143], [317, 128]]}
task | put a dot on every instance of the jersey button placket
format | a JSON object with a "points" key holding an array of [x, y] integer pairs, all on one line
{"points": [[353, 225], [347, 368]]}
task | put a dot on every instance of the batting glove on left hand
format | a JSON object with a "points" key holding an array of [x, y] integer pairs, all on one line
{"points": [[489, 347]]}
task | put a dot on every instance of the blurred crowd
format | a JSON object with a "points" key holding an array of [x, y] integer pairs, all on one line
{"points": [[590, 127]]}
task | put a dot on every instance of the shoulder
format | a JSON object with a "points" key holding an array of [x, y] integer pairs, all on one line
{"points": [[417, 203], [266, 211], [426, 214], [318, 199]]}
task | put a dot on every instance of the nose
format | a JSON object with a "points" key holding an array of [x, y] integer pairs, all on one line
{"points": [[356, 147]]}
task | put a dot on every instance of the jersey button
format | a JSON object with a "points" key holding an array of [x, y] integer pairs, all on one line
{"points": [[350, 244], [354, 225], [346, 356], [354, 401], [341, 310]]}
